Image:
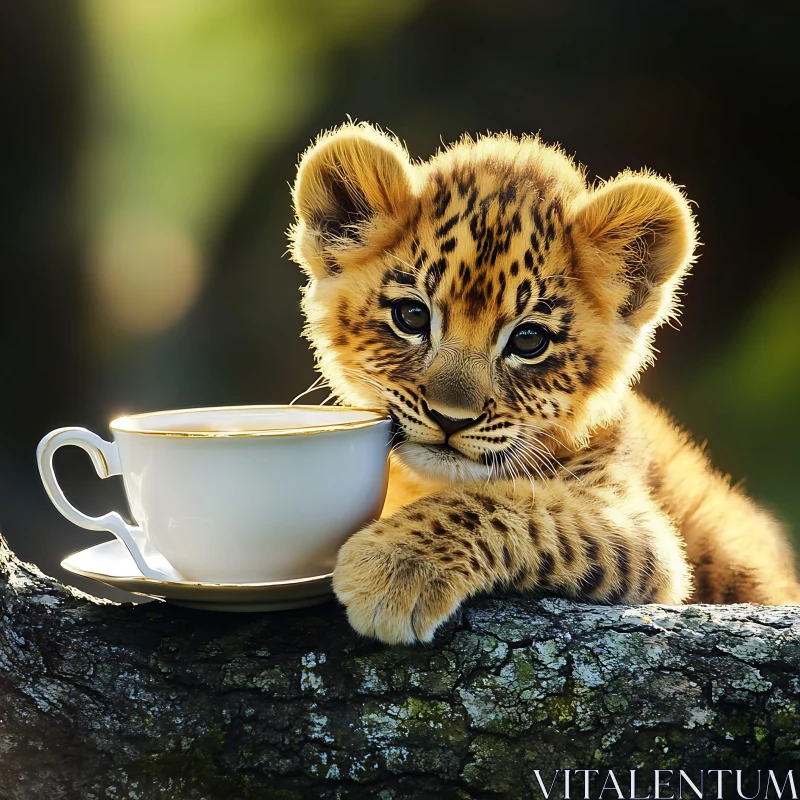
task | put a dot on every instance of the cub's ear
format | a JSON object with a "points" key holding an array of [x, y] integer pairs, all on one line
{"points": [[641, 236], [352, 197]]}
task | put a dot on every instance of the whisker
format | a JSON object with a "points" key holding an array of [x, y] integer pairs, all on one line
{"points": [[541, 432], [538, 460], [517, 465], [559, 425], [530, 443], [541, 452], [395, 441], [542, 464], [360, 378], [549, 422], [532, 440], [506, 466], [319, 383], [524, 471]]}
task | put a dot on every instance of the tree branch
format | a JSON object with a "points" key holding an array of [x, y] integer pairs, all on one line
{"points": [[119, 701]]}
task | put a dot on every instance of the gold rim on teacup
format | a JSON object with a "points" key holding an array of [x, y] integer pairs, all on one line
{"points": [[122, 423]]}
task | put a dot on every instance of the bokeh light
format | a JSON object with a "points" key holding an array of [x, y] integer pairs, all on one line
{"points": [[145, 275]]}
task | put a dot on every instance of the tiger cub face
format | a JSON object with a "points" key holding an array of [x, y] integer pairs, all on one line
{"points": [[490, 301]]}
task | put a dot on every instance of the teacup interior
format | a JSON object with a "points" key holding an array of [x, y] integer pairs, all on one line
{"points": [[247, 420]]}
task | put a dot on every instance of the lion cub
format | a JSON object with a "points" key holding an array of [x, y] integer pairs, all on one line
{"points": [[499, 308]]}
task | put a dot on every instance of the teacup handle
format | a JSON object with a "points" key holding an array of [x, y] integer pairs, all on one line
{"points": [[105, 458]]}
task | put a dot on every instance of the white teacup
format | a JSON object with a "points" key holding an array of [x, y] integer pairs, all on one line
{"points": [[243, 494]]}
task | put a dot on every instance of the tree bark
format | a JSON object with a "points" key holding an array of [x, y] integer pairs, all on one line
{"points": [[118, 701]]}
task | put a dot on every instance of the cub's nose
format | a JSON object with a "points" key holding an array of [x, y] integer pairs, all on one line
{"points": [[448, 424]]}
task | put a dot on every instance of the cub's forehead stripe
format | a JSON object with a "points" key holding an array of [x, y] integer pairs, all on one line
{"points": [[400, 276], [523, 296]]}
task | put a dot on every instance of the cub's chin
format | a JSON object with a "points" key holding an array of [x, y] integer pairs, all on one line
{"points": [[440, 462]]}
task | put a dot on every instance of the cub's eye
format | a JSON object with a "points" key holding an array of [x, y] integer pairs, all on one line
{"points": [[528, 341], [411, 316]]}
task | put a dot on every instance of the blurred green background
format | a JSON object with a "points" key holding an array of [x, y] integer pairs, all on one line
{"points": [[147, 152]]}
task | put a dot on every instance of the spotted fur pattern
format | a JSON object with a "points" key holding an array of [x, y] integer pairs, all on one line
{"points": [[560, 478]]}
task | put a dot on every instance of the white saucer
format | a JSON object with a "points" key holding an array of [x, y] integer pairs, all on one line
{"points": [[111, 563]]}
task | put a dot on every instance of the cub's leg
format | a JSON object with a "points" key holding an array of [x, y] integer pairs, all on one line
{"points": [[740, 553], [402, 576]]}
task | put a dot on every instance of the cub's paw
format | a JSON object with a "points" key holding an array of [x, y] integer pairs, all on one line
{"points": [[393, 589]]}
